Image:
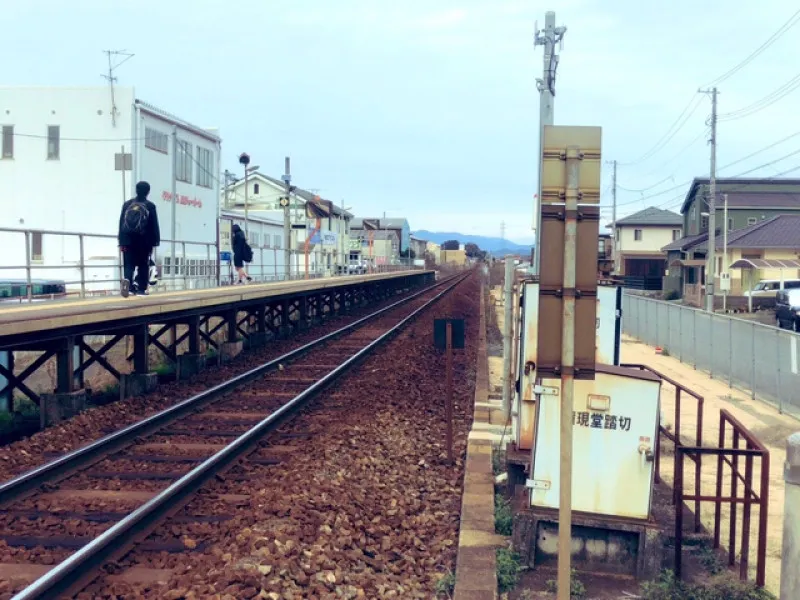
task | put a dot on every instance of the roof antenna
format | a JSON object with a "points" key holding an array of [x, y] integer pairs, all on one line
{"points": [[110, 76]]}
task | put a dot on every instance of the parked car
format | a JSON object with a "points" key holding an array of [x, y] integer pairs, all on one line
{"points": [[787, 309], [767, 287]]}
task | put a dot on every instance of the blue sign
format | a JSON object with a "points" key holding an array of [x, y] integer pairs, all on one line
{"points": [[225, 256]]}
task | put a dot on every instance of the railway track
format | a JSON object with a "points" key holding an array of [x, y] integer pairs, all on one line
{"points": [[61, 522]]}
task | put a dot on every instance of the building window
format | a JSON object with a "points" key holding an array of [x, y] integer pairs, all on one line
{"points": [[53, 142], [277, 241], [704, 223], [637, 235], [256, 189], [36, 246], [267, 240], [8, 141], [751, 220], [184, 162], [205, 167], [254, 239], [676, 234], [155, 140], [730, 223]]}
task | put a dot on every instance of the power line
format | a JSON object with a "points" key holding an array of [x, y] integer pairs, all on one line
{"points": [[670, 133], [768, 100], [790, 22]]}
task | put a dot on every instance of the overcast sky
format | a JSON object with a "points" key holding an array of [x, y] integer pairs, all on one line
{"points": [[428, 108]]}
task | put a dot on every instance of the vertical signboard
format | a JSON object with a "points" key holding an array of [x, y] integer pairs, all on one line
{"points": [[582, 146]]}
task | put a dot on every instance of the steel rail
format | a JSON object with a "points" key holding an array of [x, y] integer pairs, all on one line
{"points": [[75, 572], [66, 465]]}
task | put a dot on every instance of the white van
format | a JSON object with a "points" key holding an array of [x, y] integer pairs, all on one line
{"points": [[770, 287]]}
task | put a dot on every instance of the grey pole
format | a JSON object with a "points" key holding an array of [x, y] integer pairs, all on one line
{"points": [[790, 562], [287, 226], [711, 260], [547, 91], [507, 329], [614, 217], [173, 210]]}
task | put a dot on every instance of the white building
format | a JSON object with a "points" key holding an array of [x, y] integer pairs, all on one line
{"points": [[61, 170], [320, 230]]}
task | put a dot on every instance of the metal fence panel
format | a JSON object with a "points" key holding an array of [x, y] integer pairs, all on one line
{"points": [[751, 356]]}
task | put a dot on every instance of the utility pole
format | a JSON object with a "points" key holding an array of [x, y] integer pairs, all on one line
{"points": [[547, 37], [287, 226], [614, 214], [174, 208], [111, 79], [711, 260]]}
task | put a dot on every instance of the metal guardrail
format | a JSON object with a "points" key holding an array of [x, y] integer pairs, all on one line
{"points": [[212, 272], [760, 359]]}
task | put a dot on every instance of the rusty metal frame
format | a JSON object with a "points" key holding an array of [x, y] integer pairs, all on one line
{"points": [[726, 456]]}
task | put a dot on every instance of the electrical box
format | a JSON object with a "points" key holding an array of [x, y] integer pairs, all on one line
{"points": [[615, 419], [608, 327], [725, 282]]}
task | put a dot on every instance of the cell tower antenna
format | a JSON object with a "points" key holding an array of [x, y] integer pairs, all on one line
{"points": [[115, 59]]}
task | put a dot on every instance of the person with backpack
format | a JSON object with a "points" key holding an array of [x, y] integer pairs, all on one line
{"points": [[242, 253], [139, 233]]}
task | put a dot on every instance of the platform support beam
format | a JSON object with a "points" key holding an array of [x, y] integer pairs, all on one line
{"points": [[141, 343]]}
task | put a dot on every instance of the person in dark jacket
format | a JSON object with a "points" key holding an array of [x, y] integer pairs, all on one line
{"points": [[239, 243], [139, 233]]}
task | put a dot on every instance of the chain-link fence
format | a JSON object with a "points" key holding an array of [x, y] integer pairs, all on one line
{"points": [[760, 359]]}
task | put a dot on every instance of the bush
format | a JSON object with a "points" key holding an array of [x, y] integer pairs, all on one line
{"points": [[576, 587], [671, 295], [508, 569], [721, 587], [446, 585], [503, 517]]}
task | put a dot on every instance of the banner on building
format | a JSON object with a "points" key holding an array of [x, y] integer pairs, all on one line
{"points": [[326, 238]]}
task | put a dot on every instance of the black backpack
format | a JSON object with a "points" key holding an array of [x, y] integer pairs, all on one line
{"points": [[247, 253], [136, 218]]}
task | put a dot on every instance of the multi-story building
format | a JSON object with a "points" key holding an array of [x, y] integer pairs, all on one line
{"points": [[639, 239], [72, 155], [749, 201], [320, 230], [398, 225]]}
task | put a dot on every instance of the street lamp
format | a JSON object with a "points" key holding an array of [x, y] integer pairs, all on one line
{"points": [[244, 160]]}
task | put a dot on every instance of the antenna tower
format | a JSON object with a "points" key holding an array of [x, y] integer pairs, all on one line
{"points": [[115, 59]]}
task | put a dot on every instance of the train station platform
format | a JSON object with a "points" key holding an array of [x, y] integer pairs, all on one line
{"points": [[195, 320]]}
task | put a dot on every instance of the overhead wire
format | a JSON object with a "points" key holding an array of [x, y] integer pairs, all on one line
{"points": [[788, 24], [768, 100]]}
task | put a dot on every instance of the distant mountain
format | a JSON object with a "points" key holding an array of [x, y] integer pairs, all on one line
{"points": [[495, 245]]}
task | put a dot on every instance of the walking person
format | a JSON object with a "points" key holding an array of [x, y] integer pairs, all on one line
{"points": [[242, 253], [139, 233]]}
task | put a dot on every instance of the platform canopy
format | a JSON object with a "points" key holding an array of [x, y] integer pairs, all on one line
{"points": [[765, 263]]}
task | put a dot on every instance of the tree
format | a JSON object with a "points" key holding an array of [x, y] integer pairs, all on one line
{"points": [[408, 253], [472, 250], [450, 245]]}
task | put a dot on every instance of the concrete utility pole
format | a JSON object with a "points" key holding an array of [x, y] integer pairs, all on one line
{"points": [[173, 208], [287, 225], [711, 259], [614, 215], [790, 568], [546, 37], [508, 324]]}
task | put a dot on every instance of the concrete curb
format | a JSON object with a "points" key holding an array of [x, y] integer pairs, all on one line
{"points": [[475, 566]]}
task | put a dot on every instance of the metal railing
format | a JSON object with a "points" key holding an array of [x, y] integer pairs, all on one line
{"points": [[760, 359], [186, 252], [728, 450], [729, 456]]}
